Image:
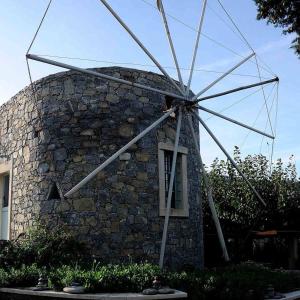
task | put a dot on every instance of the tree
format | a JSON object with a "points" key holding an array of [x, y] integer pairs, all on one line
{"points": [[236, 203], [240, 212], [282, 13]]}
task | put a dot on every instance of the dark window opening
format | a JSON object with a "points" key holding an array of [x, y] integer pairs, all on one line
{"points": [[54, 193], [177, 195], [168, 102], [7, 125], [5, 201], [129, 78]]}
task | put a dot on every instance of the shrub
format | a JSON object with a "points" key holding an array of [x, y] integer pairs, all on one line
{"points": [[42, 246], [21, 277], [230, 283], [108, 278]]}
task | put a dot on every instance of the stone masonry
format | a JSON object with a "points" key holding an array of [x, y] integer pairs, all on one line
{"points": [[70, 126]]}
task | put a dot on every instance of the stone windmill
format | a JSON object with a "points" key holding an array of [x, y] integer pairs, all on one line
{"points": [[180, 103]]}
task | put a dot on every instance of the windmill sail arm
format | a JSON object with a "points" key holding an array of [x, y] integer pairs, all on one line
{"points": [[170, 191], [276, 79], [165, 21], [104, 76], [196, 46], [209, 193], [135, 38], [222, 76], [231, 160], [235, 122], [119, 152]]}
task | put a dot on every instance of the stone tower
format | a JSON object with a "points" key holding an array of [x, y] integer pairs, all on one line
{"points": [[51, 140]]}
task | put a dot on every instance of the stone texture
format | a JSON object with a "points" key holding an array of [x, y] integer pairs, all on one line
{"points": [[125, 156], [126, 130], [116, 213], [84, 204], [87, 132], [142, 156], [60, 154], [43, 168]]}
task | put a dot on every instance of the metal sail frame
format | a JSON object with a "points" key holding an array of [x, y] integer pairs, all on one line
{"points": [[187, 105]]}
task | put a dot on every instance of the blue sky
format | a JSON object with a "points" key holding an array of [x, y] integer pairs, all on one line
{"points": [[85, 29]]}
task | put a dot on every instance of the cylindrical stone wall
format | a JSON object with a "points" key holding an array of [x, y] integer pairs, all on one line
{"points": [[76, 122]]}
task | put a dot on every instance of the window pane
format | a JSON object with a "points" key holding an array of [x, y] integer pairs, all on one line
{"points": [[176, 201], [6, 191]]}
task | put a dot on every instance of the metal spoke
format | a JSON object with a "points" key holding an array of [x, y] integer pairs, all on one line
{"points": [[196, 46], [118, 153], [231, 160], [104, 76], [162, 11], [140, 44], [209, 194], [170, 191], [237, 89], [223, 76], [39, 27], [235, 122]]}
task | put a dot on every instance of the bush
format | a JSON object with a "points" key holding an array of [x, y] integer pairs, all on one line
{"points": [[21, 277], [108, 278], [230, 283], [41, 246], [224, 283]]}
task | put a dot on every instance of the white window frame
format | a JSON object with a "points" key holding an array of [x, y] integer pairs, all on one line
{"points": [[6, 169], [175, 212]]}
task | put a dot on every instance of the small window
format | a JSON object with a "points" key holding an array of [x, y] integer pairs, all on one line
{"points": [[7, 125], [5, 201], [54, 192], [179, 200]]}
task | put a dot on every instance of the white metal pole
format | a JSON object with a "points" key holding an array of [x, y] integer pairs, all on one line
{"points": [[118, 153], [170, 191], [141, 45], [237, 89], [196, 46], [104, 76], [231, 160], [162, 11], [209, 195], [235, 122], [223, 76]]}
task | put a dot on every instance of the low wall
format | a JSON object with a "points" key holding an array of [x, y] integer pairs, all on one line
{"points": [[28, 294]]}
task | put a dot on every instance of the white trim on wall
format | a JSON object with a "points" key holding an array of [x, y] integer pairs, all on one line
{"points": [[6, 169]]}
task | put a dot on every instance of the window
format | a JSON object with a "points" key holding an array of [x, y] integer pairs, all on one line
{"points": [[179, 200], [5, 199], [54, 192], [176, 200], [7, 125]]}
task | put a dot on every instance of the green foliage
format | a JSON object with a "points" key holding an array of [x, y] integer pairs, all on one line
{"points": [[283, 13], [233, 283], [107, 278], [239, 208], [19, 277], [241, 212], [229, 283], [42, 246]]}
